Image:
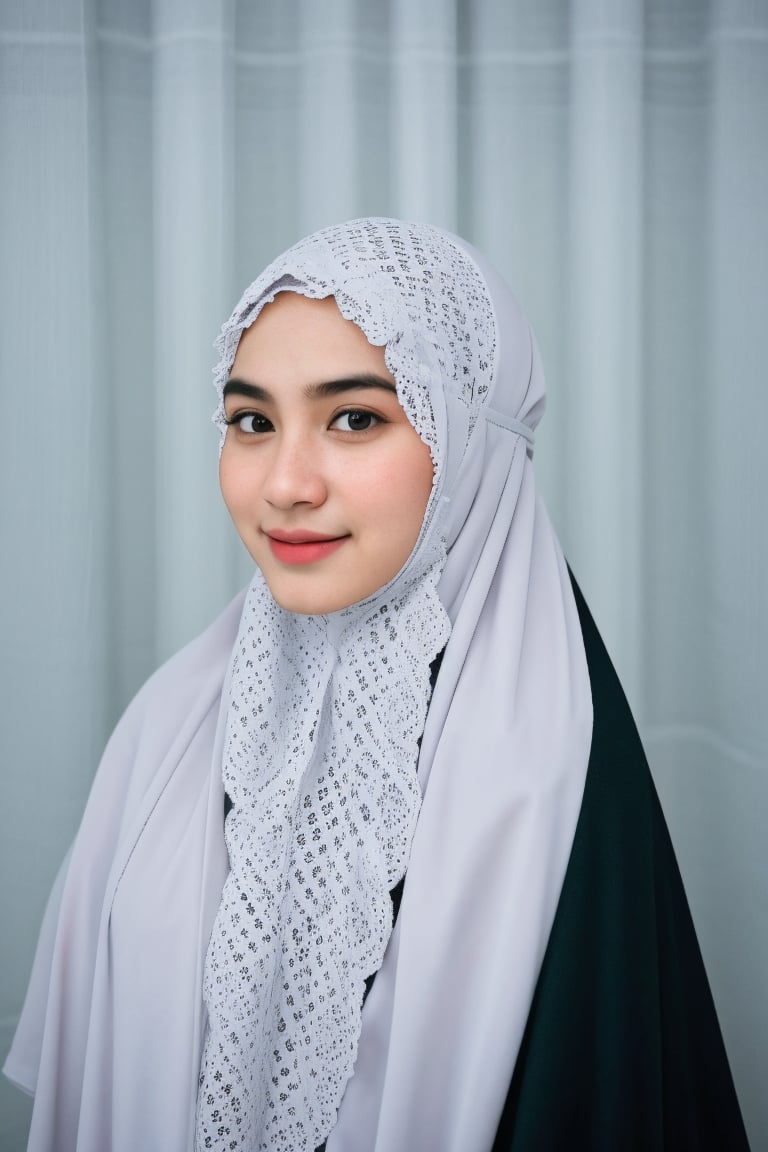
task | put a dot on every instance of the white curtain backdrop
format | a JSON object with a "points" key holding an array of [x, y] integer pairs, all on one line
{"points": [[611, 156]]}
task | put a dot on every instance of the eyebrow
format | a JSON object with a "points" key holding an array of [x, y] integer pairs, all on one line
{"points": [[237, 387]]}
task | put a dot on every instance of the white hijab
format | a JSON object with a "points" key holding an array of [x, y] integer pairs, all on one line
{"points": [[502, 766]]}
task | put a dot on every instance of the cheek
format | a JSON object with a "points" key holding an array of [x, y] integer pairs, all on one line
{"points": [[226, 478], [408, 488], [239, 482], [418, 494], [419, 474]]}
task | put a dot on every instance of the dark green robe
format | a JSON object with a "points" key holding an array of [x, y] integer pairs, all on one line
{"points": [[622, 1050]]}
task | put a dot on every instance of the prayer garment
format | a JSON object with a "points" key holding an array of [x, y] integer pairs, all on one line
{"points": [[201, 983]]}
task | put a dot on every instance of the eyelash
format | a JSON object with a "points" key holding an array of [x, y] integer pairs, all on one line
{"points": [[358, 412], [237, 417]]}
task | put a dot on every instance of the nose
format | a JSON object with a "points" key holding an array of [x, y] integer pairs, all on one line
{"points": [[295, 474]]}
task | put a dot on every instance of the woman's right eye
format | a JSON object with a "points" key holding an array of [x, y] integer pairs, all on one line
{"points": [[250, 422]]}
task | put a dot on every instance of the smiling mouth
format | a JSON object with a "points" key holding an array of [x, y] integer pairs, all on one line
{"points": [[302, 547]]}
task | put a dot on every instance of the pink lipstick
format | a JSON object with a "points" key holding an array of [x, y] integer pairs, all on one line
{"points": [[302, 547]]}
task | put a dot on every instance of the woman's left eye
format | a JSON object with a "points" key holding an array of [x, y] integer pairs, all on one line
{"points": [[355, 420]]}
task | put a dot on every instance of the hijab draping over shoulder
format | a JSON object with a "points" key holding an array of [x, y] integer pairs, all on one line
{"points": [[202, 984]]}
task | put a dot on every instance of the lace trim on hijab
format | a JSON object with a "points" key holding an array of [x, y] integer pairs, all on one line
{"points": [[325, 714]]}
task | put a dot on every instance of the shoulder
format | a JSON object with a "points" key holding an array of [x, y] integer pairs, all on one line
{"points": [[180, 685], [191, 667], [178, 702], [622, 999], [165, 734]]}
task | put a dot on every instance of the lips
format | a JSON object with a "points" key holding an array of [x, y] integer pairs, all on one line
{"points": [[299, 536], [302, 547]]}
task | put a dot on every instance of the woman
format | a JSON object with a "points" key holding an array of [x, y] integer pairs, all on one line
{"points": [[409, 718]]}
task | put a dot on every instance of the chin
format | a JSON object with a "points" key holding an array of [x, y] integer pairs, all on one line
{"points": [[306, 603], [318, 594]]}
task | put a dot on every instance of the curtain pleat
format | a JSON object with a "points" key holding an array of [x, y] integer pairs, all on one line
{"points": [[192, 164], [424, 113], [612, 159], [604, 351]]}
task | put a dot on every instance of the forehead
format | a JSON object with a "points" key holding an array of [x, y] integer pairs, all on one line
{"points": [[297, 336]]}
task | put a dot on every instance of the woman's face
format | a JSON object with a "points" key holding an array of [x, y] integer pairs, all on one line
{"points": [[323, 474]]}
